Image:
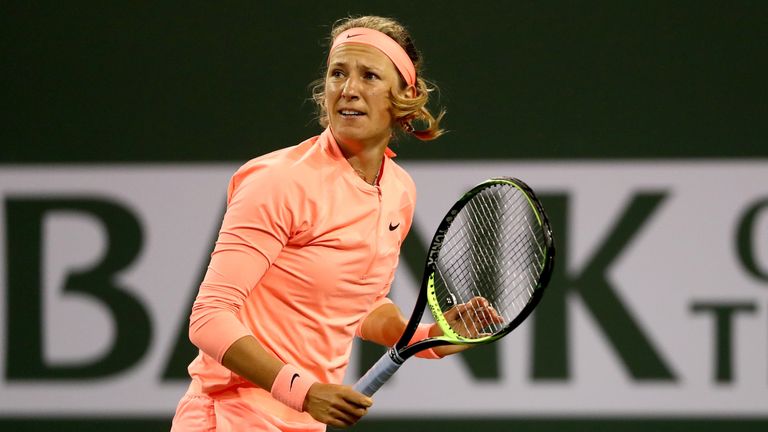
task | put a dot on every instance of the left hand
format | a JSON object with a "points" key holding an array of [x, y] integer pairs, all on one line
{"points": [[468, 320]]}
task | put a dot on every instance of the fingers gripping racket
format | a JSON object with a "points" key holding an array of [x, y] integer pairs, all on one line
{"points": [[486, 270]]}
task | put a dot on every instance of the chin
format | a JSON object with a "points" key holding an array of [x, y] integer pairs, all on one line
{"points": [[350, 134]]}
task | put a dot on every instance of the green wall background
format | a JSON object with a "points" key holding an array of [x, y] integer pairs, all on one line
{"points": [[188, 82], [142, 81]]}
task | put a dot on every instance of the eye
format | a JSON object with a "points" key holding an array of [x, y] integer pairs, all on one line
{"points": [[336, 73], [371, 76]]}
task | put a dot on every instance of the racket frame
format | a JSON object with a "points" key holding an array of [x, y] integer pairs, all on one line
{"points": [[395, 356]]}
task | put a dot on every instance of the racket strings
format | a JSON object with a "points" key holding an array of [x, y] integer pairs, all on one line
{"points": [[519, 299], [520, 255], [483, 236], [461, 239], [475, 244], [493, 250]]}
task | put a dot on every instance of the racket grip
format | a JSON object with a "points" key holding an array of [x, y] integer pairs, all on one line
{"points": [[377, 375]]}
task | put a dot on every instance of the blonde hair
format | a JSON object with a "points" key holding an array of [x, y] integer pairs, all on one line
{"points": [[405, 110]]}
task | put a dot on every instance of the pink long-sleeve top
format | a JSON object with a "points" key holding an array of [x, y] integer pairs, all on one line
{"points": [[306, 250]]}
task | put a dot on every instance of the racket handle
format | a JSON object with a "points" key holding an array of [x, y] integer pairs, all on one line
{"points": [[377, 375]]}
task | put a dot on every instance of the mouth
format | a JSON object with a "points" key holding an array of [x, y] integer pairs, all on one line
{"points": [[348, 113]]}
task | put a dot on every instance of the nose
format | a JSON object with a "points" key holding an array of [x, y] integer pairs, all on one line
{"points": [[351, 88]]}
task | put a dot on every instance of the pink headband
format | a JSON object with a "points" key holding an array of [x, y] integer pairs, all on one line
{"points": [[383, 43]]}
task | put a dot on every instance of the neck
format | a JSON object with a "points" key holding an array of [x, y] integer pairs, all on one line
{"points": [[367, 169], [365, 159]]}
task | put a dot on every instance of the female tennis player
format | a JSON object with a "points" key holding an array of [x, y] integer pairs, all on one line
{"points": [[308, 249]]}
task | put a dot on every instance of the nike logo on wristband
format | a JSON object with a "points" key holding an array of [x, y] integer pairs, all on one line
{"points": [[292, 379], [393, 227]]}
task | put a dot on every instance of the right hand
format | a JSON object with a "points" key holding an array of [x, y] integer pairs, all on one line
{"points": [[336, 405]]}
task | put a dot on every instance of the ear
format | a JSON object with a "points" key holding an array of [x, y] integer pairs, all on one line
{"points": [[408, 92], [411, 92]]}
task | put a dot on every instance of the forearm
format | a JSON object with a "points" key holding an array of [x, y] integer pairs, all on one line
{"points": [[384, 325], [214, 324], [333, 404], [248, 358]]}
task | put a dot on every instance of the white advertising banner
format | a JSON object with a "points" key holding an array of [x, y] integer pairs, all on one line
{"points": [[679, 247]]}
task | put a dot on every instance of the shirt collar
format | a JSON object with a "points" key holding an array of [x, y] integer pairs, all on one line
{"points": [[329, 145]]}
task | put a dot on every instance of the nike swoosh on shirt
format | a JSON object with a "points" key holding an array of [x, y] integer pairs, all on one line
{"points": [[393, 227]]}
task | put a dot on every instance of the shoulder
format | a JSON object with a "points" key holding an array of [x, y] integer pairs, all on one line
{"points": [[273, 172], [403, 180], [269, 189]]}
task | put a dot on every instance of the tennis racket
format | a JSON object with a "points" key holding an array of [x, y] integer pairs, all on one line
{"points": [[486, 269]]}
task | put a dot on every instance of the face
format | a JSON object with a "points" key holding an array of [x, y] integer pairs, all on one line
{"points": [[357, 95]]}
